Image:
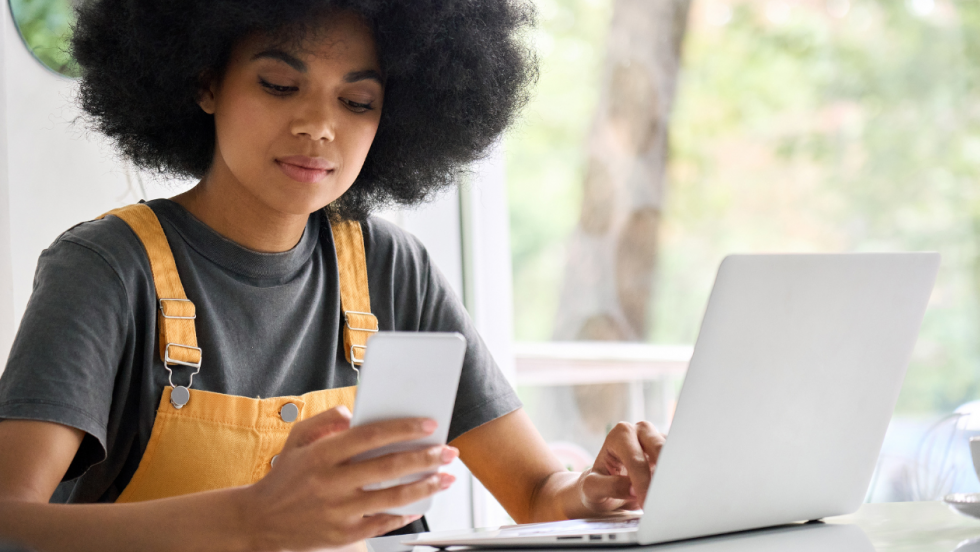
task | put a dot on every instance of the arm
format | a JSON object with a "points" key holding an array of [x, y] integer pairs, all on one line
{"points": [[34, 458], [513, 462], [313, 498]]}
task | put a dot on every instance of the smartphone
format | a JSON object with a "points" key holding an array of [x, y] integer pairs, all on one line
{"points": [[409, 375]]}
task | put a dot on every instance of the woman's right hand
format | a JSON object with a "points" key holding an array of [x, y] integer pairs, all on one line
{"points": [[314, 497]]}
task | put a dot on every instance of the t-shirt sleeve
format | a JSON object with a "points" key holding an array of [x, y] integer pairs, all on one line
{"points": [[65, 357]]}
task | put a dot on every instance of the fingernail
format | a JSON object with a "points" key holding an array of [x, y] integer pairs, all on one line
{"points": [[448, 454], [429, 426], [414, 517], [446, 481], [632, 491]]}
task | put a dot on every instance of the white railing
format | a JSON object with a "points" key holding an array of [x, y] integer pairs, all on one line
{"points": [[599, 362], [589, 362]]}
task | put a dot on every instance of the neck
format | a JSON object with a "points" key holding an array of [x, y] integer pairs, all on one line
{"points": [[233, 212]]}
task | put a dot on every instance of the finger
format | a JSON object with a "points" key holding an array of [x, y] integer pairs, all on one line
{"points": [[393, 466], [344, 446], [625, 445], [316, 427], [379, 524], [599, 488], [401, 495], [651, 440]]}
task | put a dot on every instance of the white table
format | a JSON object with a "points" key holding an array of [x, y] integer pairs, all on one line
{"points": [[914, 527], [894, 527]]}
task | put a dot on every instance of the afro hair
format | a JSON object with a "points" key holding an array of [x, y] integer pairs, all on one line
{"points": [[456, 74]]}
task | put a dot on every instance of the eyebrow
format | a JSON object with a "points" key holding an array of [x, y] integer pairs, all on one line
{"points": [[369, 74], [297, 64], [288, 59]]}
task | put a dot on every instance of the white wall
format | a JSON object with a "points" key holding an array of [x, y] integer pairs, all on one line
{"points": [[486, 257], [7, 319], [57, 172]]}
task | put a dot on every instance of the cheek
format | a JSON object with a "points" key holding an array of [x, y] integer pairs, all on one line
{"points": [[245, 127], [359, 143]]}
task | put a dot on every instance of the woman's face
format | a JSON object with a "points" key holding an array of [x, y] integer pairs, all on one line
{"points": [[294, 124]]}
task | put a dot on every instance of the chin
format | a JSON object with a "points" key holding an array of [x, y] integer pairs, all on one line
{"points": [[300, 207], [303, 205], [302, 199]]}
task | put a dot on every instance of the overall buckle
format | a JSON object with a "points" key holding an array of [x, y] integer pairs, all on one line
{"points": [[164, 314], [352, 328], [168, 360], [353, 359], [180, 394]]}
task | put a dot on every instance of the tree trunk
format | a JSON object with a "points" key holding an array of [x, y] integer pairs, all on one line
{"points": [[609, 272]]}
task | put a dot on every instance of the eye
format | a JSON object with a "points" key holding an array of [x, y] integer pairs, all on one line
{"points": [[357, 107], [277, 89]]}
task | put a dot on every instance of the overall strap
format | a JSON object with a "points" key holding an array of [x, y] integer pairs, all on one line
{"points": [[355, 301], [175, 319]]}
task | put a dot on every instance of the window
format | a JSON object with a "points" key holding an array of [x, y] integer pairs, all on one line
{"points": [[45, 27], [797, 126]]}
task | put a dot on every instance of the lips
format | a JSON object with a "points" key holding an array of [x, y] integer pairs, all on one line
{"points": [[305, 169]]}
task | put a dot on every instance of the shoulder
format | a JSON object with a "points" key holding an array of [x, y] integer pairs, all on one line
{"points": [[97, 246], [107, 233]]}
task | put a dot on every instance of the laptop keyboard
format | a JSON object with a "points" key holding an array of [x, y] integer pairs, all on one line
{"points": [[573, 527], [620, 524]]}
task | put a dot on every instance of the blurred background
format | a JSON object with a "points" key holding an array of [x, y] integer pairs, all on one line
{"points": [[662, 136], [795, 126]]}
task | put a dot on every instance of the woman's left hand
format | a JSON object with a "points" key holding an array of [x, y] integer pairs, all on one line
{"points": [[621, 475]]}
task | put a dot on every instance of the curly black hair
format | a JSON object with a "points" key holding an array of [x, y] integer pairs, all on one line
{"points": [[456, 74]]}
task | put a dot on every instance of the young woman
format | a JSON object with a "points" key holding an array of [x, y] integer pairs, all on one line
{"points": [[183, 374]]}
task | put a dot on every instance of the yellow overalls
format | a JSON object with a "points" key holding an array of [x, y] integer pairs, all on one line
{"points": [[201, 440]]}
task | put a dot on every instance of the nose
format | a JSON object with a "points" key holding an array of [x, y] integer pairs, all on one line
{"points": [[315, 121]]}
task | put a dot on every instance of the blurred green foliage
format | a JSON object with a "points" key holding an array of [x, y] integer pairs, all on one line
{"points": [[804, 125], [546, 155], [45, 26]]}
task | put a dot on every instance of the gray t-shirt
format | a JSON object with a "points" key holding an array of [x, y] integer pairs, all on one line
{"points": [[86, 353]]}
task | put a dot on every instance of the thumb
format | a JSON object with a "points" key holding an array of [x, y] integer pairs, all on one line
{"points": [[332, 421]]}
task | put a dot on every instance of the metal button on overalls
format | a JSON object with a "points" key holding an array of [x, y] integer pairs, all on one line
{"points": [[289, 412], [203, 440]]}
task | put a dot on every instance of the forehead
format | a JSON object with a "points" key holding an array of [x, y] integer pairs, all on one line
{"points": [[337, 38]]}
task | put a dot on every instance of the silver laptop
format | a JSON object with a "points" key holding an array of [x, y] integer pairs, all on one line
{"points": [[784, 408]]}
